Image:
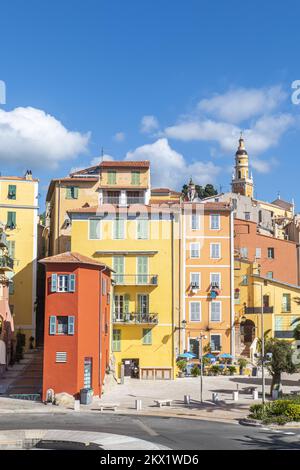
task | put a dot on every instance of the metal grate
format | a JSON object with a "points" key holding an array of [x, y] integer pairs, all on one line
{"points": [[61, 357]]}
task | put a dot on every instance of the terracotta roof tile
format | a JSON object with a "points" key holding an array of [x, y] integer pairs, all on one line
{"points": [[125, 164], [73, 258]]}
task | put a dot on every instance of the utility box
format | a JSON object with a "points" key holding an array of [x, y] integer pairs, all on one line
{"points": [[86, 396]]}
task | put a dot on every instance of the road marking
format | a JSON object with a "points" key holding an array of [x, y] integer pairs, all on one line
{"points": [[146, 428], [265, 429], [290, 433]]}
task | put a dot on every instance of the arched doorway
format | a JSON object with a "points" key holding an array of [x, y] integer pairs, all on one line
{"points": [[248, 331]]}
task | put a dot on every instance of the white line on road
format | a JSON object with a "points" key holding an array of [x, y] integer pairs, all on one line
{"points": [[146, 428]]}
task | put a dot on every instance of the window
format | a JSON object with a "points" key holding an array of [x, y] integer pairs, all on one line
{"points": [[142, 229], [118, 267], [215, 280], [72, 192], [195, 250], [63, 283], [271, 253], [119, 229], [12, 191], [266, 300], [195, 280], [244, 281], [215, 250], [11, 287], [143, 304], [215, 342], [215, 222], [87, 375], [244, 252], [195, 222], [62, 325], [195, 311], [286, 303], [142, 269], [194, 346], [121, 305], [135, 178], [116, 340], [104, 286], [94, 229], [112, 177], [270, 274], [257, 253], [215, 311], [11, 248], [260, 217], [237, 296], [11, 220], [247, 216], [147, 336], [234, 204]]}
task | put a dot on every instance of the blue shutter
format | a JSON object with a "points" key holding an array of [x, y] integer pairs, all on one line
{"points": [[52, 326], [72, 283], [54, 283], [71, 325]]}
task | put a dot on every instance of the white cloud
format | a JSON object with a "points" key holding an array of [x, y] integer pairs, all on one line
{"points": [[240, 104], [263, 166], [32, 137], [169, 168], [149, 124], [119, 136]]}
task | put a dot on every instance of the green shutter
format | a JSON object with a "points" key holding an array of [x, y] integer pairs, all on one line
{"points": [[71, 325], [119, 229], [72, 284], [147, 336], [53, 282], [142, 229], [12, 191], [111, 177], [116, 343], [52, 325], [94, 229], [126, 303], [11, 245], [11, 219], [135, 177], [142, 268], [75, 193], [118, 267], [68, 193]]}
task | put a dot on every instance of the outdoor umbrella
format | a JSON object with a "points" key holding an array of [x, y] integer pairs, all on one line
{"points": [[187, 355], [225, 356]]}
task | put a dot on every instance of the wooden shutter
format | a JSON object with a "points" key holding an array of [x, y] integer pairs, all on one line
{"points": [[94, 229], [11, 245], [52, 325], [72, 283], [126, 303], [71, 325], [75, 192], [12, 191], [142, 268], [54, 283], [11, 219], [147, 336]]}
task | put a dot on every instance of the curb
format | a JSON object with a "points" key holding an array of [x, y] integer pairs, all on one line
{"points": [[250, 422]]}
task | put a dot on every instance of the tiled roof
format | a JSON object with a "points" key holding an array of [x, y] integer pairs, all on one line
{"points": [[283, 204], [20, 178], [73, 258], [125, 164], [217, 206]]}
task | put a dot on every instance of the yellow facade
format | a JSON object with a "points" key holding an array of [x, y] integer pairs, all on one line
{"points": [[280, 303], [19, 212], [242, 182], [156, 358]]}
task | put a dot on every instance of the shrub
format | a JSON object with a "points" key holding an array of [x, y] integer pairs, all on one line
{"points": [[195, 371], [232, 370], [215, 369], [257, 411], [242, 362], [279, 411], [181, 365], [293, 412]]}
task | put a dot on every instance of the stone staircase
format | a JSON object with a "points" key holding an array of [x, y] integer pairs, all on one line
{"points": [[246, 351], [26, 377]]}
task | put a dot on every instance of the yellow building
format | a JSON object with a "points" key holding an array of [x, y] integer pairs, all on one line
{"points": [[105, 212], [280, 302], [19, 213]]}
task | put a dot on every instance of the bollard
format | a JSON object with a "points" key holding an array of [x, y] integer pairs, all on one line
{"points": [[255, 394], [77, 405], [138, 405], [215, 397], [187, 399], [235, 395]]}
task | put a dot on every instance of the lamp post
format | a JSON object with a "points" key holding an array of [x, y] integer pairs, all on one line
{"points": [[200, 339], [262, 343]]}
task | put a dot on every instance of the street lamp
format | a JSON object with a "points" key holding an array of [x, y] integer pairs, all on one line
{"points": [[200, 339], [262, 341]]}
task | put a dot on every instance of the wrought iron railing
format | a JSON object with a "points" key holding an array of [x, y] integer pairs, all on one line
{"points": [[6, 262], [135, 318], [250, 310], [136, 279]]}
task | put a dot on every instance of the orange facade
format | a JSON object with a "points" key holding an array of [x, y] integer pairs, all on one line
{"points": [[277, 258], [76, 337], [207, 280]]}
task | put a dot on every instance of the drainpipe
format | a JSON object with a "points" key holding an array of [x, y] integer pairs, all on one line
{"points": [[100, 328], [58, 217], [172, 306], [232, 346]]}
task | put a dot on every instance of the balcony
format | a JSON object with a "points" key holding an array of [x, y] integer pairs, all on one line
{"points": [[251, 310], [3, 241], [135, 279], [111, 200], [6, 262], [135, 318]]}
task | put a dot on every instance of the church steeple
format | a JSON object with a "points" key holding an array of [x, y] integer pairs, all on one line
{"points": [[242, 183]]}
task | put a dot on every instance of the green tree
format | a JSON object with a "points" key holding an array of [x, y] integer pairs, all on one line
{"points": [[296, 331], [281, 360], [201, 191]]}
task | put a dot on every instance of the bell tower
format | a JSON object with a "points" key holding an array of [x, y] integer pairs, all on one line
{"points": [[242, 182]]}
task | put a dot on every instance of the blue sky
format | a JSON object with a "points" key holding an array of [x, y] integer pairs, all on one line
{"points": [[170, 81]]}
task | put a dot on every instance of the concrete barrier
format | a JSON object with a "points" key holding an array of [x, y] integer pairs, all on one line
{"points": [[235, 395], [138, 405]]}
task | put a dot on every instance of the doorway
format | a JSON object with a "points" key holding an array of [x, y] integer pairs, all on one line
{"points": [[131, 368]]}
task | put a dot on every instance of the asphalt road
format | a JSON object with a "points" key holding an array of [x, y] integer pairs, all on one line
{"points": [[175, 433]]}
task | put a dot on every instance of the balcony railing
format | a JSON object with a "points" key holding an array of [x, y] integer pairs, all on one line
{"points": [[6, 262], [135, 318], [127, 201], [250, 310], [135, 279], [3, 241]]}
